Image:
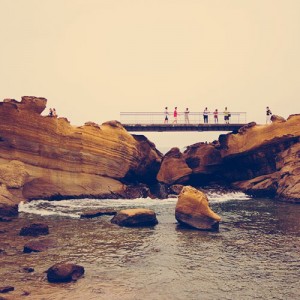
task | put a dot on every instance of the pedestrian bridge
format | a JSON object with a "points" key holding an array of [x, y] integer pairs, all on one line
{"points": [[154, 121]]}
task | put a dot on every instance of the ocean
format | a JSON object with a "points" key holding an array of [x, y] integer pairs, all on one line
{"points": [[255, 254]]}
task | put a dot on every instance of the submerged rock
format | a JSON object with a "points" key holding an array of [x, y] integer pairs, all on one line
{"points": [[135, 217], [38, 246], [64, 272], [6, 289], [192, 209], [97, 213], [35, 229]]}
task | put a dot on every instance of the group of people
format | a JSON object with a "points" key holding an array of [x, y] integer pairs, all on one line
{"points": [[206, 113], [52, 112]]}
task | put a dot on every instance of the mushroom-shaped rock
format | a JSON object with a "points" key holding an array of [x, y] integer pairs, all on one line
{"points": [[64, 272], [192, 209], [34, 104], [35, 229], [135, 217]]}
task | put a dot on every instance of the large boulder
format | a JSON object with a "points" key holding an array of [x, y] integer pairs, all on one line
{"points": [[174, 168], [192, 209], [135, 217], [64, 272]]}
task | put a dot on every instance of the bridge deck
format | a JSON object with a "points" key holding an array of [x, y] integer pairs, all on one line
{"points": [[182, 127]]}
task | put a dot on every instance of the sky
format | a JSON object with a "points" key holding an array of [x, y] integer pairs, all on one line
{"points": [[93, 59]]}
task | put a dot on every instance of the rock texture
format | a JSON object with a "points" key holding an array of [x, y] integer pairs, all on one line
{"points": [[135, 217], [64, 272], [35, 229], [44, 157], [259, 159], [192, 209], [174, 168]]}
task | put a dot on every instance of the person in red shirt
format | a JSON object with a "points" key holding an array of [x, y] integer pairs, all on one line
{"points": [[175, 114]]}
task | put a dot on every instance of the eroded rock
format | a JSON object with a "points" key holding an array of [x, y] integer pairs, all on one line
{"points": [[192, 209], [174, 168]]}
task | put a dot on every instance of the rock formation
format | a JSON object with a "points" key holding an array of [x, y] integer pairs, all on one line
{"points": [[192, 209], [43, 157], [259, 159], [64, 272], [135, 217]]}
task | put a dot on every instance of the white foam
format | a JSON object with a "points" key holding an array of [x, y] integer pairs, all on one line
{"points": [[74, 207]]}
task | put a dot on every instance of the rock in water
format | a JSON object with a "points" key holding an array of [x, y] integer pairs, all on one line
{"points": [[135, 217], [35, 229], [192, 209], [64, 272]]}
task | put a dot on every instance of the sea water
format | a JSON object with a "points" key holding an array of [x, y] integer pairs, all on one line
{"points": [[255, 254]]}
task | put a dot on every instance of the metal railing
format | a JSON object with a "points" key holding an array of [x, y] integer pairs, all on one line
{"points": [[194, 118]]}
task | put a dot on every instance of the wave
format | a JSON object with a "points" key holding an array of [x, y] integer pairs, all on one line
{"points": [[74, 208]]}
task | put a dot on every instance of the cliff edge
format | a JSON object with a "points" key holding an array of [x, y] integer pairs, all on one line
{"points": [[51, 159]]}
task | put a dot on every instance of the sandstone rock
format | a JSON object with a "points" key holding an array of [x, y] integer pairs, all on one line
{"points": [[202, 158], [38, 246], [97, 213], [13, 174], [8, 203], [192, 209], [34, 104], [277, 119], [35, 229], [135, 217], [64, 272], [259, 159], [174, 168], [64, 161]]}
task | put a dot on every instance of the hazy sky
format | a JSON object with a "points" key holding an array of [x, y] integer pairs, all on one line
{"points": [[94, 58]]}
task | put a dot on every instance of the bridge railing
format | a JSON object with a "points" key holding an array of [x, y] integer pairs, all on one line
{"points": [[144, 118]]}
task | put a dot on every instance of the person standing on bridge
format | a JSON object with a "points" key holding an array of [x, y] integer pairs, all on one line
{"points": [[175, 114], [205, 115], [226, 115], [166, 115], [216, 116], [186, 116], [268, 115]]}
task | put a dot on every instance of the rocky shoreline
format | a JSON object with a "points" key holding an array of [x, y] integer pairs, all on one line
{"points": [[44, 157]]}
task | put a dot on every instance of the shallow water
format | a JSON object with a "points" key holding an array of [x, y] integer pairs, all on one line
{"points": [[255, 255]]}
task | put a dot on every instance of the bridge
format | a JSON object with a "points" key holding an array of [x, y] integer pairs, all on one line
{"points": [[154, 121]]}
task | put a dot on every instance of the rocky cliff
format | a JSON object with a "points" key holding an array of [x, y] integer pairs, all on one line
{"points": [[46, 157], [259, 159]]}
